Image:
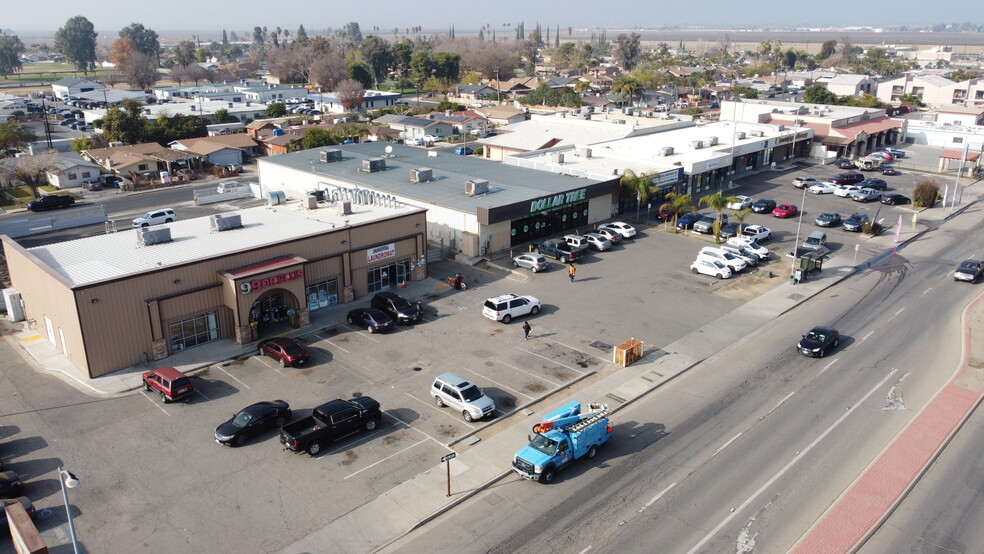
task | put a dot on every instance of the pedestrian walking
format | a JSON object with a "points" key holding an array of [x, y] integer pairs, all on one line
{"points": [[526, 330], [570, 272]]}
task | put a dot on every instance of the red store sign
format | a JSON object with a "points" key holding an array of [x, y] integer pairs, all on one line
{"points": [[247, 287]]}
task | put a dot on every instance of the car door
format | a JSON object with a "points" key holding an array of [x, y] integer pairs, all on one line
{"points": [[518, 306], [453, 397], [344, 421], [261, 422], [274, 351]]}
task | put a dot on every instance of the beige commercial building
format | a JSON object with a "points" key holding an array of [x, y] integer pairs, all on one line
{"points": [[112, 301]]}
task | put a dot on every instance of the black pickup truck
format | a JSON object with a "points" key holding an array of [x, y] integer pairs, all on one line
{"points": [[329, 422], [51, 202], [558, 249]]}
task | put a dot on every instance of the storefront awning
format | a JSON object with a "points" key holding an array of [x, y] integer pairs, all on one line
{"points": [[272, 264]]}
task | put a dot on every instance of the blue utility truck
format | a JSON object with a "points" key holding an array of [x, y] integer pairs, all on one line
{"points": [[563, 436]]}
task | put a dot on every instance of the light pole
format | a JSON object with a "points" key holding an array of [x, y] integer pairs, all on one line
{"points": [[69, 480], [799, 224]]}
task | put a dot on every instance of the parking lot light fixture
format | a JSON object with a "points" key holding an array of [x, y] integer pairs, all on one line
{"points": [[68, 480], [799, 225]]}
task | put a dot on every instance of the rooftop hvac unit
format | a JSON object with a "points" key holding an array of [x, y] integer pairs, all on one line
{"points": [[221, 222], [781, 128], [740, 135], [331, 155], [421, 175], [666, 151], [311, 202], [372, 165], [619, 121], [696, 144], [557, 157], [476, 186], [192, 107], [230, 104], [711, 141], [345, 208], [582, 152], [756, 134], [275, 198], [148, 237]]}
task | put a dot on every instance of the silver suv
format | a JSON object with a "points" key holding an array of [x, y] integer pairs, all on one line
{"points": [[155, 217], [450, 390], [504, 308]]}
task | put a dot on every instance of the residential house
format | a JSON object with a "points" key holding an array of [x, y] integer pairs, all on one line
{"points": [[497, 116], [462, 122], [219, 150], [967, 116], [67, 170], [145, 160], [935, 90], [848, 84], [74, 86], [331, 103], [514, 88], [473, 93], [414, 128]]}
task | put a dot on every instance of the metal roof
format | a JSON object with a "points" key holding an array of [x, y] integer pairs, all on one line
{"points": [[91, 260]]}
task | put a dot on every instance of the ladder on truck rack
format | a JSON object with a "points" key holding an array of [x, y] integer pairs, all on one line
{"points": [[588, 422]]}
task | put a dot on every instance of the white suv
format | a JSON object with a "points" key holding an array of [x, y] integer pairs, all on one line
{"points": [[733, 262], [504, 308], [450, 390], [155, 217]]}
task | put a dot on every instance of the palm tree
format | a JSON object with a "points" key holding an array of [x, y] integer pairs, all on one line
{"points": [[717, 202], [679, 203], [639, 185], [628, 86], [740, 216]]}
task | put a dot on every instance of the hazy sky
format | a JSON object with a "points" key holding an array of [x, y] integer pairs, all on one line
{"points": [[22, 17]]}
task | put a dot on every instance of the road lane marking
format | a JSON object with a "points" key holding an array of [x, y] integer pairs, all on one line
{"points": [[866, 336], [781, 401], [496, 382], [657, 497], [927, 290], [585, 551], [826, 367], [234, 377], [725, 445], [159, 407], [384, 459], [350, 446], [412, 427], [203, 394], [788, 466], [896, 313], [263, 360], [540, 377]]}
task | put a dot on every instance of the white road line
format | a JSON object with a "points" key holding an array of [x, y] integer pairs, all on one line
{"points": [[439, 410], [263, 360], [866, 336], [826, 367], [927, 290], [384, 459], [412, 427], [579, 351], [697, 547], [585, 551], [896, 313], [234, 377], [552, 361], [203, 394], [655, 498], [727, 444], [336, 346], [900, 311], [496, 382], [159, 407], [540, 377], [366, 335], [780, 403]]}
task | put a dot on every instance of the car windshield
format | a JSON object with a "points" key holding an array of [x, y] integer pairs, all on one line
{"points": [[242, 419], [293, 349], [471, 394], [813, 335], [401, 304], [968, 266], [543, 444]]}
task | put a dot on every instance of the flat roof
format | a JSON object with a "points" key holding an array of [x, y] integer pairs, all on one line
{"points": [[100, 258], [507, 184]]}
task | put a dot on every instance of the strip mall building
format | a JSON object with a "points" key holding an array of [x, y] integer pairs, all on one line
{"points": [[113, 301]]}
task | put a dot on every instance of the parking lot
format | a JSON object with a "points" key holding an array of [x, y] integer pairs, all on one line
{"points": [[154, 479]]}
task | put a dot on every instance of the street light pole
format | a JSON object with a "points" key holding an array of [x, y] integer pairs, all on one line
{"points": [[799, 225], [68, 479]]}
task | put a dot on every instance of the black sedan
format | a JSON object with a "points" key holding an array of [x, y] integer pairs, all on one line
{"points": [[874, 184], [372, 319], [818, 341], [855, 223], [894, 199], [828, 219], [844, 163], [764, 206], [687, 220], [252, 420], [10, 484], [729, 230], [890, 170]]}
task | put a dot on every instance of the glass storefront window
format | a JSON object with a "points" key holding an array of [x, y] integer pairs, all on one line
{"points": [[382, 276], [194, 331], [323, 294]]}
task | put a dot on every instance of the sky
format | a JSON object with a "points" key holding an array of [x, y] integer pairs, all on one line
{"points": [[109, 16]]}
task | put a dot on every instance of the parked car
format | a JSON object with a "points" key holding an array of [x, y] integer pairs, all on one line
{"points": [[10, 485], [969, 270], [764, 206], [51, 202], [805, 182], [890, 170], [251, 421], [895, 153], [729, 230], [508, 306], [855, 223], [627, 231], [613, 236], [710, 266], [397, 307], [705, 224], [533, 262], [598, 242], [847, 178], [750, 245], [828, 219], [687, 220], [170, 383], [374, 320], [329, 422], [450, 390], [576, 241], [874, 184], [865, 195], [287, 351], [92, 186], [783, 211], [463, 151], [844, 163], [845, 191], [742, 253], [155, 217], [734, 263], [818, 341], [757, 233], [881, 154], [815, 241], [894, 199], [740, 203], [822, 188], [665, 214], [558, 249], [186, 174]]}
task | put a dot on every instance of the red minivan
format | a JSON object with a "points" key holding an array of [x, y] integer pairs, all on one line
{"points": [[170, 383]]}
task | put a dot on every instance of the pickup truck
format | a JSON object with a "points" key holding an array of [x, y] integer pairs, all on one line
{"points": [[51, 202], [329, 422], [563, 436], [558, 249]]}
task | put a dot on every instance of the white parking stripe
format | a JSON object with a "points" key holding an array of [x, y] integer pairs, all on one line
{"points": [[336, 346], [496, 382], [159, 407], [550, 360], [412, 427], [579, 351], [234, 377], [540, 377], [203, 395], [440, 410], [263, 360], [384, 459]]}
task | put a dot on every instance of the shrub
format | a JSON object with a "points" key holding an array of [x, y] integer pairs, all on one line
{"points": [[926, 193], [872, 228]]}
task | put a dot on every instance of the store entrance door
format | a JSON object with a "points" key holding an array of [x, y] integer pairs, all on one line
{"points": [[273, 313]]}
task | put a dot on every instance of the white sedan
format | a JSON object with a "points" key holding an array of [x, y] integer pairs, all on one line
{"points": [[710, 267], [624, 229], [845, 190], [756, 233], [740, 203], [822, 188]]}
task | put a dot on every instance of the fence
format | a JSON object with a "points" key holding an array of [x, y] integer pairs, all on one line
{"points": [[52, 221]]}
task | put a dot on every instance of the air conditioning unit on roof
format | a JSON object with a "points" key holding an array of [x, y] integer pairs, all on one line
{"points": [[372, 165], [476, 186], [149, 237], [331, 155], [421, 175]]}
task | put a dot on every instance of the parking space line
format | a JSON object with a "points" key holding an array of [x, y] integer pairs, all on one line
{"points": [[528, 373], [336, 346], [496, 382], [234, 377], [554, 361], [159, 407], [203, 394], [384, 459], [579, 351], [351, 445], [263, 360], [439, 410], [412, 427]]}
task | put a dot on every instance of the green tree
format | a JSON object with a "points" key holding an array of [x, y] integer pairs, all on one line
{"points": [[421, 66], [15, 136], [447, 66], [827, 49], [124, 123], [638, 184], [717, 202], [628, 50], [77, 41], [276, 109], [11, 48], [259, 41], [402, 53], [744, 92], [184, 53], [317, 137], [678, 203], [628, 87], [818, 94], [740, 216], [378, 54], [361, 74], [221, 115], [300, 36], [911, 99], [145, 39]]}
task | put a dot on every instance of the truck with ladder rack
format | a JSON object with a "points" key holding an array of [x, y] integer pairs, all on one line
{"points": [[563, 436]]}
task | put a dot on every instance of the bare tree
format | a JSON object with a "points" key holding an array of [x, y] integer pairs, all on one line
{"points": [[140, 70], [196, 73], [350, 93], [29, 171], [327, 72]]}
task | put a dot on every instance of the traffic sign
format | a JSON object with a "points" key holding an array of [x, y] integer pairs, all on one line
{"points": [[447, 457]]}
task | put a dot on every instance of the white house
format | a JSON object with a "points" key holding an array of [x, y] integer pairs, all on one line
{"points": [[72, 86], [71, 169], [847, 84]]}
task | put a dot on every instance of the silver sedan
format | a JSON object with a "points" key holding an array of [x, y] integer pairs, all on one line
{"points": [[533, 262]]}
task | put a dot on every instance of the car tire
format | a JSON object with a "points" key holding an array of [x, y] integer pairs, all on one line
{"points": [[548, 476], [283, 363], [468, 417], [535, 310], [351, 320], [169, 220], [279, 422], [145, 225], [314, 448], [593, 451], [533, 269], [720, 275], [836, 342], [438, 401], [371, 329], [146, 386], [240, 440], [694, 270], [370, 424], [506, 319], [515, 264], [163, 398]]}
